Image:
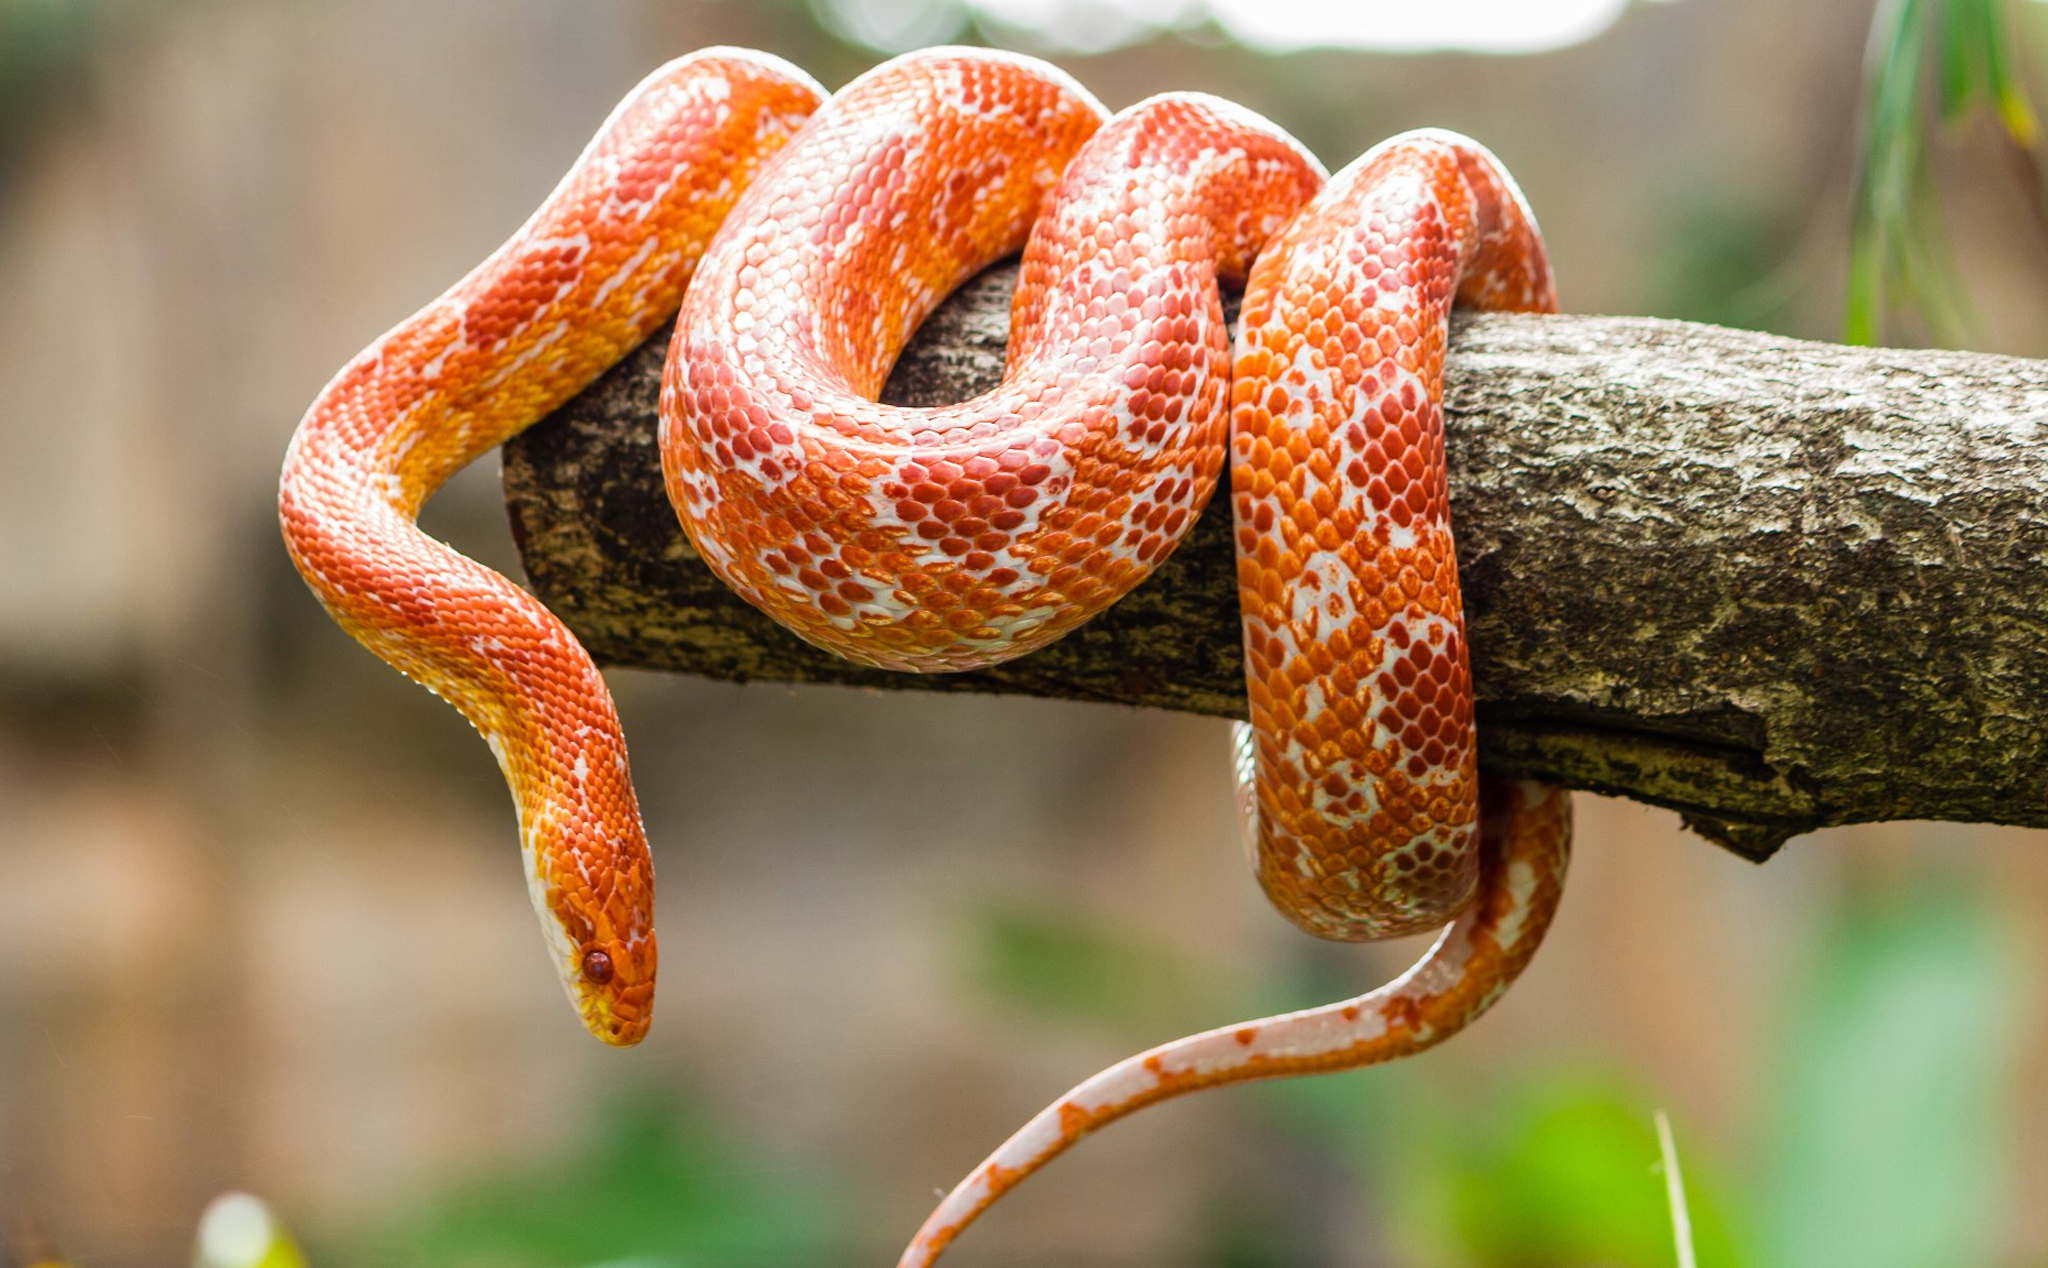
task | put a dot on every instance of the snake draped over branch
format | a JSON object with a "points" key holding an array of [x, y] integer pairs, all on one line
{"points": [[803, 238]]}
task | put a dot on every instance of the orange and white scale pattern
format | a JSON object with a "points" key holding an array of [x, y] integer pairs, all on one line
{"points": [[1361, 746], [956, 537], [600, 266], [1358, 783], [960, 536]]}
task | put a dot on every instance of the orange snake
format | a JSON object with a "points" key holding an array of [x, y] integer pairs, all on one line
{"points": [[950, 538]]}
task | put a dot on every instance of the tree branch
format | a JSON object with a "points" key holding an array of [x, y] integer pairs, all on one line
{"points": [[1773, 585]]}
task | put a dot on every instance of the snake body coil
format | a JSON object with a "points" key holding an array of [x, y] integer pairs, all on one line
{"points": [[804, 243]]}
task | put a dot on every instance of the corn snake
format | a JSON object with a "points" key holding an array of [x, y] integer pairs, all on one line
{"points": [[930, 540]]}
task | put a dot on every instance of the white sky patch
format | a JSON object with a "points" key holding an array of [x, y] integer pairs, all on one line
{"points": [[1485, 26], [1274, 26]]}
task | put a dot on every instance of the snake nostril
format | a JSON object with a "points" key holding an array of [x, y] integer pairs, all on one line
{"points": [[597, 967]]}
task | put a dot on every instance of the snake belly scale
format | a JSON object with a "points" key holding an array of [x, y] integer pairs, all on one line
{"points": [[804, 238]]}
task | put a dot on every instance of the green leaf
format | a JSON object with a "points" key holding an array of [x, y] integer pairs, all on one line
{"points": [[2015, 111], [1960, 55], [1898, 255]]}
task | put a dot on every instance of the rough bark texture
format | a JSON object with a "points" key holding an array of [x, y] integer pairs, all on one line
{"points": [[1773, 585]]}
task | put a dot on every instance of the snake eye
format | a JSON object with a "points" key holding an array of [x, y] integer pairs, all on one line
{"points": [[597, 967]]}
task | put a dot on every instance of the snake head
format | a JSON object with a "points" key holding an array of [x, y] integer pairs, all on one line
{"points": [[594, 889]]}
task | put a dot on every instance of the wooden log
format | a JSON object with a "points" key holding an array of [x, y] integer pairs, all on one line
{"points": [[1774, 585]]}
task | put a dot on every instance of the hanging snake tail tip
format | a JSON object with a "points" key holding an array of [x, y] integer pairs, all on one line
{"points": [[1525, 835]]}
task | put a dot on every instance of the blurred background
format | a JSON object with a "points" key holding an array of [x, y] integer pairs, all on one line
{"points": [[261, 919]]}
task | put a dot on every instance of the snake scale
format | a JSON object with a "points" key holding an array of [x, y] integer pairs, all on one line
{"points": [[802, 239]]}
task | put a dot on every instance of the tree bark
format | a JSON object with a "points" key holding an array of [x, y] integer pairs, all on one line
{"points": [[1773, 585]]}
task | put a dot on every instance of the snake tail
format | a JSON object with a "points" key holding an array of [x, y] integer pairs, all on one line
{"points": [[1525, 833]]}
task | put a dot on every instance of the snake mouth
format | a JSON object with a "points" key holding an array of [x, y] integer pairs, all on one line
{"points": [[619, 1016]]}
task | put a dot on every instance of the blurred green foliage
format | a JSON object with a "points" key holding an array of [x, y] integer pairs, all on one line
{"points": [[47, 50], [657, 1185], [1727, 266], [1882, 1132], [41, 43], [1561, 1168], [1059, 964], [1958, 53]]}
